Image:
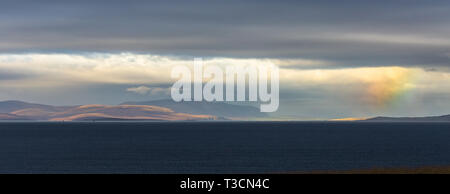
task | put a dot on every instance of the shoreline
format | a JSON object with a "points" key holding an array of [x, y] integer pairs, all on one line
{"points": [[399, 170]]}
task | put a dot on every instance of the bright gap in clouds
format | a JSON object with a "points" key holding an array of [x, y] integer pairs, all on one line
{"points": [[364, 89]]}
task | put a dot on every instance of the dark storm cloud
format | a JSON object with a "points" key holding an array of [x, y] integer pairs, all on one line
{"points": [[349, 33]]}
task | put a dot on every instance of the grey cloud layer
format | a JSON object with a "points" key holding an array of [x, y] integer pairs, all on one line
{"points": [[349, 33]]}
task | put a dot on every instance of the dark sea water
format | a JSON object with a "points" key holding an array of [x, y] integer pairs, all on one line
{"points": [[210, 147]]}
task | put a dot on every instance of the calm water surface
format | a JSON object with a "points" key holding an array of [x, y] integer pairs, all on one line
{"points": [[210, 147]]}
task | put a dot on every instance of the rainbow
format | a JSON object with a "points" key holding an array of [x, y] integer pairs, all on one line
{"points": [[390, 85]]}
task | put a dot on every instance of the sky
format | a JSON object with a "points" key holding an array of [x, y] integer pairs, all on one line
{"points": [[337, 59]]}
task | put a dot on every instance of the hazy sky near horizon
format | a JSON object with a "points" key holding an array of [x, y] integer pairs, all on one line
{"points": [[337, 58]]}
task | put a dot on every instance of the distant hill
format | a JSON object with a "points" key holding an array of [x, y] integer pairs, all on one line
{"points": [[6, 116], [17, 110], [219, 109], [13, 105], [444, 118], [124, 112]]}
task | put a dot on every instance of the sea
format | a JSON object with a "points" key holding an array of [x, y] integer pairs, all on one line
{"points": [[219, 147]]}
